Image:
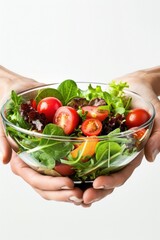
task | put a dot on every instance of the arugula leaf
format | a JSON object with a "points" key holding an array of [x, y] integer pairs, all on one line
{"points": [[48, 150], [68, 90]]}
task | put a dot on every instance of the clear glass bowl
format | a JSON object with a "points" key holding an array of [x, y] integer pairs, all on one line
{"points": [[116, 151]]}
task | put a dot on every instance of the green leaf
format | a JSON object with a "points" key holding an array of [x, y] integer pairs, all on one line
{"points": [[68, 90], [106, 149], [13, 111], [49, 92], [117, 88], [91, 92], [48, 150]]}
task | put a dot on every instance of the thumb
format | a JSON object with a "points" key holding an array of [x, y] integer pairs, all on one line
{"points": [[152, 147]]}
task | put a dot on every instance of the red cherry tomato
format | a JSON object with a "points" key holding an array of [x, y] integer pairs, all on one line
{"points": [[91, 127], [33, 103], [49, 106], [64, 169], [95, 112], [67, 118], [137, 117]]}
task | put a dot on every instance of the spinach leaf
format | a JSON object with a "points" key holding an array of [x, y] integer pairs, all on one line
{"points": [[49, 92], [106, 149], [68, 89]]}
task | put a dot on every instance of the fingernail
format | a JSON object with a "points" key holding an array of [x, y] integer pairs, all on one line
{"points": [[66, 188], [95, 200], [75, 199], [100, 187]]}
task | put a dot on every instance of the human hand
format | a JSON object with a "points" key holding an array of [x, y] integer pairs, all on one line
{"points": [[146, 83], [8, 81], [60, 188], [48, 187]]}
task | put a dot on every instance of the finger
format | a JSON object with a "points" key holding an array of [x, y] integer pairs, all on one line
{"points": [[119, 178], [5, 148], [7, 73], [37, 180], [74, 196], [152, 147], [92, 195]]}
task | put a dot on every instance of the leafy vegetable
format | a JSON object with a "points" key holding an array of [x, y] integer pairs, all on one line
{"points": [[68, 89], [13, 111], [114, 97], [48, 150], [49, 92], [89, 158], [106, 149]]}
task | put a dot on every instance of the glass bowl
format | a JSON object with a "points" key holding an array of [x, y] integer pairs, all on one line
{"points": [[47, 153]]}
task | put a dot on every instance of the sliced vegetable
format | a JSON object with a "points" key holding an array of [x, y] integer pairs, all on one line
{"points": [[67, 118], [140, 133], [95, 112], [85, 150], [91, 127]]}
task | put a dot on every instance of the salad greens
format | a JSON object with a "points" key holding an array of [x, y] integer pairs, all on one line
{"points": [[50, 151], [49, 92]]}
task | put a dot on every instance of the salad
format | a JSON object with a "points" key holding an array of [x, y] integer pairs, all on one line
{"points": [[75, 132]]}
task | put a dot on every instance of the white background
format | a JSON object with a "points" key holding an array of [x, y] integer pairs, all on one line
{"points": [[95, 40]]}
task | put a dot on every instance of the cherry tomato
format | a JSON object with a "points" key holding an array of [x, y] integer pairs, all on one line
{"points": [[33, 103], [137, 117], [91, 127], [95, 112], [49, 106], [67, 118], [64, 169]]}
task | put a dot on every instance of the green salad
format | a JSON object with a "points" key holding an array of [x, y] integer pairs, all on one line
{"points": [[75, 132]]}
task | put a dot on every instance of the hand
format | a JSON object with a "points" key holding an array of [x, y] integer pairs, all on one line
{"points": [[51, 188], [146, 83], [48, 187], [9, 81]]}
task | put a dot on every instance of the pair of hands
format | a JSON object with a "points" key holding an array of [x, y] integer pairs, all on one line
{"points": [[62, 188]]}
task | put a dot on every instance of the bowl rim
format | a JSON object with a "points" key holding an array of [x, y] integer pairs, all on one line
{"points": [[71, 138]]}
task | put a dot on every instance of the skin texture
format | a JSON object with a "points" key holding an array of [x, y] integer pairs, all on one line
{"points": [[145, 82]]}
